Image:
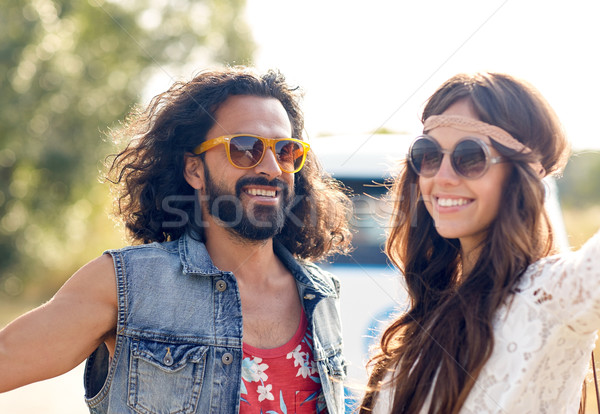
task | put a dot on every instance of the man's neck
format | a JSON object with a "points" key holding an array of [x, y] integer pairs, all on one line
{"points": [[245, 258]]}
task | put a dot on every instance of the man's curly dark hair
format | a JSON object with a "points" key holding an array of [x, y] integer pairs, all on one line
{"points": [[150, 169]]}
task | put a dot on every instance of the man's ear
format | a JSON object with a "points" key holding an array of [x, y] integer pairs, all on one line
{"points": [[193, 171]]}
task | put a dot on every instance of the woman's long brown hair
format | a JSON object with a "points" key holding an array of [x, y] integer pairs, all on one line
{"points": [[439, 346]]}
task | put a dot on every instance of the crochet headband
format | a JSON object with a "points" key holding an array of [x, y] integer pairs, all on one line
{"points": [[473, 125]]}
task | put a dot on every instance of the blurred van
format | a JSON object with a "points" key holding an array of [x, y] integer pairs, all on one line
{"points": [[372, 292]]}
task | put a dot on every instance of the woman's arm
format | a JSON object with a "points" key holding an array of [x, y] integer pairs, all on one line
{"points": [[570, 286]]}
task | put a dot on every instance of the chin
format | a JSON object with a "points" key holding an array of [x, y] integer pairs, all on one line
{"points": [[450, 233]]}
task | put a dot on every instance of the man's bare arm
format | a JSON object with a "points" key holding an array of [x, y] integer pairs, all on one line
{"points": [[59, 335]]}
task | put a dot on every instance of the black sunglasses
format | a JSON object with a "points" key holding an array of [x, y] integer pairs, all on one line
{"points": [[470, 157]]}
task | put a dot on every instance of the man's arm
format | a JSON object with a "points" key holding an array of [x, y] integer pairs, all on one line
{"points": [[59, 335]]}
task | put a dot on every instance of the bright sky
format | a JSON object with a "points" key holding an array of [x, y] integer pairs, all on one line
{"points": [[370, 64]]}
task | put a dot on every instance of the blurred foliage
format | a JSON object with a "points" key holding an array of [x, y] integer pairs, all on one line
{"points": [[580, 185], [69, 70], [581, 224]]}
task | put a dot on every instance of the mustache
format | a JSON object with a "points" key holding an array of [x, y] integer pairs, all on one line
{"points": [[276, 182]]}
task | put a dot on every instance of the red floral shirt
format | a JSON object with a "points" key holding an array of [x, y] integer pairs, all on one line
{"points": [[282, 380]]}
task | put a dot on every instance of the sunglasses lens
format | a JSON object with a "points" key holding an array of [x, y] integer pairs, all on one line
{"points": [[425, 157], [290, 154], [469, 159], [245, 151]]}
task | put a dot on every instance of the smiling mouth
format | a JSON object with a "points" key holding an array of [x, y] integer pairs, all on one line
{"points": [[261, 192], [452, 202]]}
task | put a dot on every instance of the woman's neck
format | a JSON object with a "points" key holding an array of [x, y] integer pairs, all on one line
{"points": [[469, 258]]}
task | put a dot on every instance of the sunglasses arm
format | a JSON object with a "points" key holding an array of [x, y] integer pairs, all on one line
{"points": [[211, 143]]}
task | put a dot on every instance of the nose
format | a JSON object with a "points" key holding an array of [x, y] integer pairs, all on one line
{"points": [[446, 173], [269, 166]]}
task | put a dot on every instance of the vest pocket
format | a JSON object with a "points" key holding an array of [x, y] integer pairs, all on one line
{"points": [[165, 378]]}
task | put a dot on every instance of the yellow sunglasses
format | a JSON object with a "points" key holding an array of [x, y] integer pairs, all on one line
{"points": [[246, 151]]}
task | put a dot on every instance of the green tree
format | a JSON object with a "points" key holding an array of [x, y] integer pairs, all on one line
{"points": [[579, 187], [69, 70]]}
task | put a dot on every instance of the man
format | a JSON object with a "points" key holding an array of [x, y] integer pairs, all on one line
{"points": [[218, 310]]}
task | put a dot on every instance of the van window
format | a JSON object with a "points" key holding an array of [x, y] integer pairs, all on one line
{"points": [[369, 222]]}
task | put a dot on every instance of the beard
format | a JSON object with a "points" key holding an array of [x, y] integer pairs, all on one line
{"points": [[254, 221]]}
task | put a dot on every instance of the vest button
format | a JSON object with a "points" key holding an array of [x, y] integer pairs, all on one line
{"points": [[168, 359], [221, 285], [227, 358]]}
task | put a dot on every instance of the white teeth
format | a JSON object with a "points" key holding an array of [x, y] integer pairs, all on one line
{"points": [[261, 192], [451, 202]]}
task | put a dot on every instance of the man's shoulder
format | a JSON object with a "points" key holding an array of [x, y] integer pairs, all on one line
{"points": [[169, 246], [316, 272], [146, 250], [186, 253], [315, 269]]}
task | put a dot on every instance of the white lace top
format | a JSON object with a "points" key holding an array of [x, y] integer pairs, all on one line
{"points": [[543, 340]]}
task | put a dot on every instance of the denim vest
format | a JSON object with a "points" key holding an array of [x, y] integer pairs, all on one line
{"points": [[179, 333]]}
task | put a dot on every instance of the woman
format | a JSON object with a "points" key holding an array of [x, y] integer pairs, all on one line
{"points": [[498, 323]]}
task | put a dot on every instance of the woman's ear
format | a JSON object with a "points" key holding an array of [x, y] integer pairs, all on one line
{"points": [[193, 171]]}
